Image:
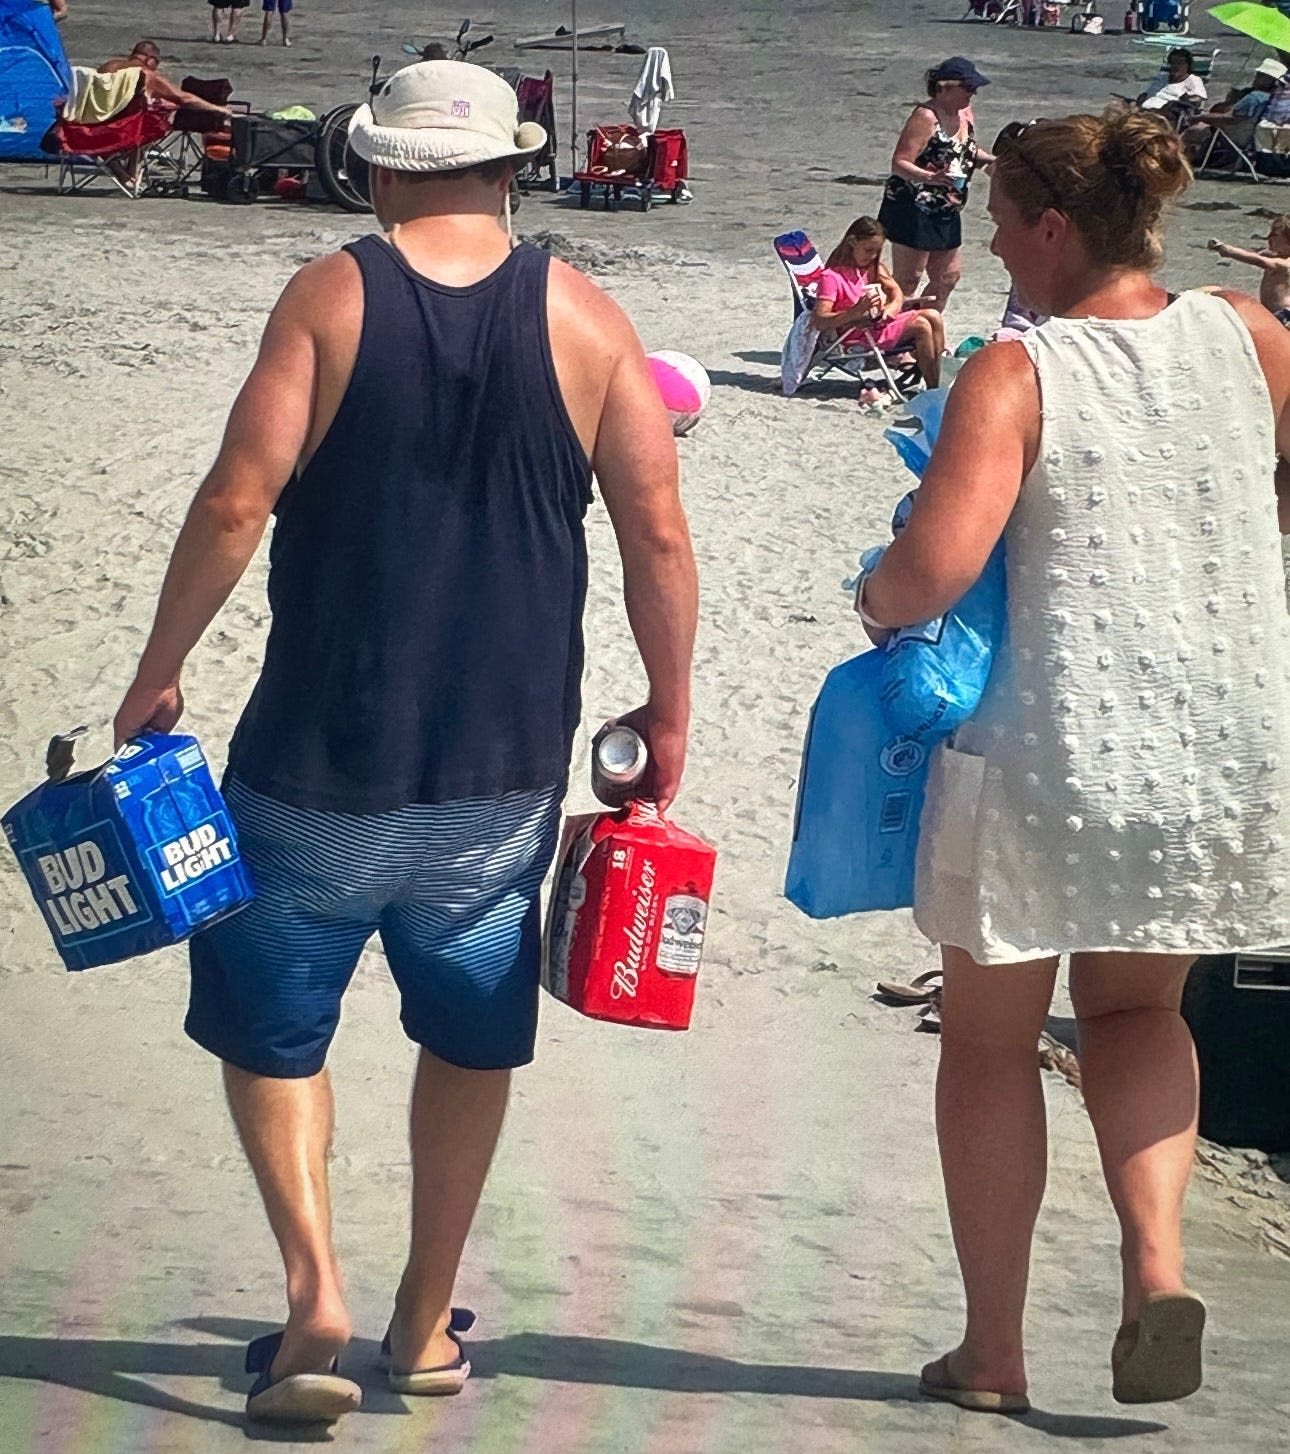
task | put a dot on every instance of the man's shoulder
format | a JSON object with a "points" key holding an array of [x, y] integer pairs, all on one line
{"points": [[322, 295], [580, 305], [323, 279]]}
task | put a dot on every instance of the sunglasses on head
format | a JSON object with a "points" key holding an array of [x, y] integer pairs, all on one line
{"points": [[1009, 139]]}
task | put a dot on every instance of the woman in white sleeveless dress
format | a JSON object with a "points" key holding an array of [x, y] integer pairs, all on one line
{"points": [[1123, 792]]}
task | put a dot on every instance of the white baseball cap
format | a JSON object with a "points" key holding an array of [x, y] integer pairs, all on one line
{"points": [[441, 116], [1271, 68]]}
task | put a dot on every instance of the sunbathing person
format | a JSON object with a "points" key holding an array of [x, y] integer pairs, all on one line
{"points": [[1274, 290], [858, 299], [146, 57], [1177, 90]]}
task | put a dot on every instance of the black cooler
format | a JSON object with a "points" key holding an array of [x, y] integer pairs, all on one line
{"points": [[1238, 1008]]}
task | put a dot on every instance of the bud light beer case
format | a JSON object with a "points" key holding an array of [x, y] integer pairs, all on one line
{"points": [[625, 924], [134, 855]]}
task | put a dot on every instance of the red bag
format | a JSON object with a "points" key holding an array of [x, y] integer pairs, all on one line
{"points": [[624, 929]]}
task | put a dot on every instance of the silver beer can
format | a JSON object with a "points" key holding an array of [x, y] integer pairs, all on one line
{"points": [[618, 761]]}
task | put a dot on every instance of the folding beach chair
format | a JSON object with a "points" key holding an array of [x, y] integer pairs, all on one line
{"points": [[119, 149], [177, 163], [1231, 149], [535, 98], [997, 12], [812, 352]]}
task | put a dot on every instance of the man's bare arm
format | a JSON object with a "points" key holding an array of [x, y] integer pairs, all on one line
{"points": [[635, 464], [266, 432], [159, 88]]}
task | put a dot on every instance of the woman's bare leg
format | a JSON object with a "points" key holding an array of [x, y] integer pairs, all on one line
{"points": [[993, 1135], [907, 267], [1138, 1068], [944, 269], [922, 336]]}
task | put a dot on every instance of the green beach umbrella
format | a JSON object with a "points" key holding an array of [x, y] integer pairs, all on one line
{"points": [[1263, 23]]}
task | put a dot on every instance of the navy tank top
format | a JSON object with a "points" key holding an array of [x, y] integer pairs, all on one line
{"points": [[428, 567]]}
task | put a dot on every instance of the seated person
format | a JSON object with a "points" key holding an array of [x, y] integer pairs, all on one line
{"points": [[1177, 89], [160, 92], [858, 299], [1236, 117], [434, 51], [1274, 290], [1276, 111]]}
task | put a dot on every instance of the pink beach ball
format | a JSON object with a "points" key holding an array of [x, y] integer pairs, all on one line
{"points": [[684, 385]]}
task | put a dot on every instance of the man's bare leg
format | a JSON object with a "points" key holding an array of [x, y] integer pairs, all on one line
{"points": [[456, 1119], [286, 1129]]}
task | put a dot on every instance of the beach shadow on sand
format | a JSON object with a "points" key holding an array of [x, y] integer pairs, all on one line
{"points": [[119, 1369]]}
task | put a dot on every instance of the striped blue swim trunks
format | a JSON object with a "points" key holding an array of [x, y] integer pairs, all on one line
{"points": [[452, 890]]}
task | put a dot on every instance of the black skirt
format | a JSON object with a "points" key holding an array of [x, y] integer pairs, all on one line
{"points": [[905, 222]]}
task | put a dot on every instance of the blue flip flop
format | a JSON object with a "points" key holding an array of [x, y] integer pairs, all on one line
{"points": [[447, 1378], [299, 1398]]}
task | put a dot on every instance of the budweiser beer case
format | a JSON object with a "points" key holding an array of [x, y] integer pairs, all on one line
{"points": [[626, 919], [136, 854]]}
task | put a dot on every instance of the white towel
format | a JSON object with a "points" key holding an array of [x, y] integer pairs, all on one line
{"points": [[653, 87]]}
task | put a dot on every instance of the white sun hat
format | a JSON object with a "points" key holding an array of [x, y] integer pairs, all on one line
{"points": [[1272, 68], [440, 116]]}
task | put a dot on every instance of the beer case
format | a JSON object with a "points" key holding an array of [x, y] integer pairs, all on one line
{"points": [[134, 855], [626, 918]]}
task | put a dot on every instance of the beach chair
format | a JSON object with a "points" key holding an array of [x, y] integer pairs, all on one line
{"points": [[810, 353], [1203, 58], [119, 149], [1231, 150], [178, 162], [535, 97]]}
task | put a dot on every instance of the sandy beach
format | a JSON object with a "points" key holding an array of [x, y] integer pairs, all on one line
{"points": [[731, 1240]]}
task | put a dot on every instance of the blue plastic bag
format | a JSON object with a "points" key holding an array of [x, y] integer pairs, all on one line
{"points": [[858, 799], [935, 672], [136, 854]]}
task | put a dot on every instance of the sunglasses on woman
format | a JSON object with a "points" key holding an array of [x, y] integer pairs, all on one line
{"points": [[1009, 139]]}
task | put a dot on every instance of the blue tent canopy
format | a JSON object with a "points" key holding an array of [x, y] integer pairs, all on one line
{"points": [[33, 72]]}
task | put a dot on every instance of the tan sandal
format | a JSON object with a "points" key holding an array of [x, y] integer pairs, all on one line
{"points": [[1158, 1358], [446, 1379], [936, 1382]]}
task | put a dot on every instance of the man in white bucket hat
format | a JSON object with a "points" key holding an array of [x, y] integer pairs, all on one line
{"points": [[1236, 118], [443, 116], [424, 418]]}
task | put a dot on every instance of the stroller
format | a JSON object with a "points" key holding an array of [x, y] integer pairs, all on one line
{"points": [[811, 352]]}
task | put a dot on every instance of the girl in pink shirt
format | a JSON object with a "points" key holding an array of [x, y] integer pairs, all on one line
{"points": [[858, 299]]}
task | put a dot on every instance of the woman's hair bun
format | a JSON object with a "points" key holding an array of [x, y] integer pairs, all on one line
{"points": [[1144, 153]]}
